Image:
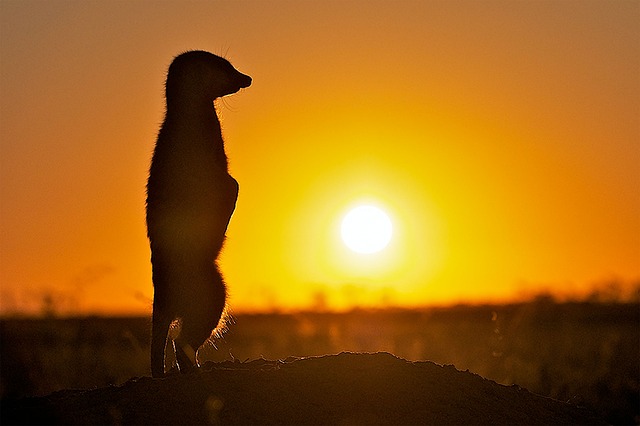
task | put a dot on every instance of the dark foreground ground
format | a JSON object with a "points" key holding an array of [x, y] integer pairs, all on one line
{"points": [[348, 388], [583, 353]]}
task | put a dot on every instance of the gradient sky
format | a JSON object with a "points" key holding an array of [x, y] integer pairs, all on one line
{"points": [[502, 137]]}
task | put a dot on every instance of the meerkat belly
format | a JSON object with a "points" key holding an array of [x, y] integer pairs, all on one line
{"points": [[208, 211], [192, 215]]}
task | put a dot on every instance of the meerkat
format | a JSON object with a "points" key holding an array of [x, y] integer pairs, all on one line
{"points": [[190, 199]]}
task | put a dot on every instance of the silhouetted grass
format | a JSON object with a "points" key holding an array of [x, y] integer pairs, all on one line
{"points": [[584, 352]]}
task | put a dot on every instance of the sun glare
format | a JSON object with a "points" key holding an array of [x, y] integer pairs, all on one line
{"points": [[366, 229]]}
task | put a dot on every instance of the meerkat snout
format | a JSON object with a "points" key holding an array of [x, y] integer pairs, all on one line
{"points": [[245, 81]]}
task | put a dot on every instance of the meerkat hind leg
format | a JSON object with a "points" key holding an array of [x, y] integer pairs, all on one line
{"points": [[185, 357]]}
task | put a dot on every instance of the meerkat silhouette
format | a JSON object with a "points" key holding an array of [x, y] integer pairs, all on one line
{"points": [[190, 200]]}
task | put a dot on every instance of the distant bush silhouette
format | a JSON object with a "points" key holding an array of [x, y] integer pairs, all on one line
{"points": [[190, 200]]}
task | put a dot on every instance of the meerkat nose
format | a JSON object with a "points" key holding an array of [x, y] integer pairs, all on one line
{"points": [[245, 81]]}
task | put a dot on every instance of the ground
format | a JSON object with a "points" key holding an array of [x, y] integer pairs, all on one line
{"points": [[348, 388]]}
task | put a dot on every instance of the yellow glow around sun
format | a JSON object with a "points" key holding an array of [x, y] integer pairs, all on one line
{"points": [[319, 259], [366, 229]]}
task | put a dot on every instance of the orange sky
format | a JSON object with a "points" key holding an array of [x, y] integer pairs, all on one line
{"points": [[503, 139]]}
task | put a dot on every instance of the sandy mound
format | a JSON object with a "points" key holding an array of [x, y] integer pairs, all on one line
{"points": [[348, 388]]}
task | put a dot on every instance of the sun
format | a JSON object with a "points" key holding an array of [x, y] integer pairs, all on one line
{"points": [[366, 229]]}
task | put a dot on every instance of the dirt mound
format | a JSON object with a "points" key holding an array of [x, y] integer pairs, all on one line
{"points": [[349, 388]]}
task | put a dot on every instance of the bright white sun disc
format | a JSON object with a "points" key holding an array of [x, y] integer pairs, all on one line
{"points": [[366, 229]]}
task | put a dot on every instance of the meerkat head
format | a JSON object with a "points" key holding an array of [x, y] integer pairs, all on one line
{"points": [[203, 75]]}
